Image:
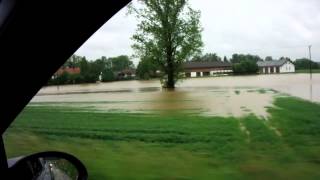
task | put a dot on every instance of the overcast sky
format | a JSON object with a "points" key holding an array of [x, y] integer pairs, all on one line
{"points": [[261, 27]]}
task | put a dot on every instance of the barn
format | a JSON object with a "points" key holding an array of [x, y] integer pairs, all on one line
{"points": [[200, 69], [276, 66]]}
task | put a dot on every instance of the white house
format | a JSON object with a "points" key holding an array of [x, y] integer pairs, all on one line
{"points": [[277, 66]]}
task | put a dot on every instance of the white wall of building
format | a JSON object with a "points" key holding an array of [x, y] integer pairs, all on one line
{"points": [[212, 73], [220, 71], [287, 67], [193, 74]]}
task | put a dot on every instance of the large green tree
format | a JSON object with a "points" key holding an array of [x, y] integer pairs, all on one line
{"points": [[168, 34]]}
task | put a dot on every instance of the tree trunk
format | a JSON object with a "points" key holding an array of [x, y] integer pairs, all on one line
{"points": [[170, 60], [170, 80]]}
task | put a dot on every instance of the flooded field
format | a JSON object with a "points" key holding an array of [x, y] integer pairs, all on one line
{"points": [[217, 96], [203, 130]]}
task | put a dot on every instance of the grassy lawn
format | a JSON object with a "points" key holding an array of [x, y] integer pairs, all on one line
{"points": [[177, 146], [307, 71]]}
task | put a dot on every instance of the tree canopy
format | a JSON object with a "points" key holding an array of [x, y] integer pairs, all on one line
{"points": [[245, 64], [304, 63], [237, 58], [268, 58], [209, 57], [146, 69], [168, 33]]}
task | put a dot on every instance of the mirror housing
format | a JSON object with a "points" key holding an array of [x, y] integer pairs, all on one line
{"points": [[48, 165]]}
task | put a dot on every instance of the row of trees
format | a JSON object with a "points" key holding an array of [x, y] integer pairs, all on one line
{"points": [[105, 69], [241, 64], [305, 63], [92, 71], [209, 57]]}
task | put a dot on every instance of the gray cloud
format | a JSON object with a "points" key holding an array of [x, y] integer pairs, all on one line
{"points": [[262, 27]]}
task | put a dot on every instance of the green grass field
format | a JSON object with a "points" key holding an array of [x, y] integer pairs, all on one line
{"points": [[308, 71], [177, 146]]}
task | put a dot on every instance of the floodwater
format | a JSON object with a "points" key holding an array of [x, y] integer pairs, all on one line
{"points": [[216, 96]]}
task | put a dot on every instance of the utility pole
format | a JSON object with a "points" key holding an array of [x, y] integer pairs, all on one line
{"points": [[310, 65]]}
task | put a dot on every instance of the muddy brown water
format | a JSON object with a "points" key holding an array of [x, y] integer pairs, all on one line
{"points": [[217, 96]]}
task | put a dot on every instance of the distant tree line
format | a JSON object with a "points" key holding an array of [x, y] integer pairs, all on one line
{"points": [[92, 71], [304, 63], [209, 57], [241, 64], [105, 69]]}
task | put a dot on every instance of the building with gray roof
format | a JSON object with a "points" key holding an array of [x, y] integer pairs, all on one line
{"points": [[276, 66]]}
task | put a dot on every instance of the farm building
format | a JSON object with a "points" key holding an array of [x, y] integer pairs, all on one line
{"points": [[69, 70], [199, 69], [126, 73], [277, 66]]}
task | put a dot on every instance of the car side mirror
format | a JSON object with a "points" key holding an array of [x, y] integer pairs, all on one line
{"points": [[48, 165]]}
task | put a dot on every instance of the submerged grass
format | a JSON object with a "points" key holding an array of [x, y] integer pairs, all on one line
{"points": [[176, 145]]}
